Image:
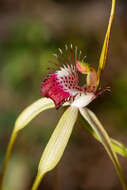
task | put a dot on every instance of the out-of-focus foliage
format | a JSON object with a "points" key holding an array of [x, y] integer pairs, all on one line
{"points": [[25, 55]]}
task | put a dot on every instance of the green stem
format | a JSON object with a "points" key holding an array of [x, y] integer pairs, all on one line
{"points": [[37, 181], [7, 156]]}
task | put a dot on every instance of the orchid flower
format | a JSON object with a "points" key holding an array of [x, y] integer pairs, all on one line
{"points": [[61, 88]]}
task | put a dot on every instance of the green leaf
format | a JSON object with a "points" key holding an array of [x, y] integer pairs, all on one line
{"points": [[106, 42], [105, 140], [117, 146], [57, 143]]}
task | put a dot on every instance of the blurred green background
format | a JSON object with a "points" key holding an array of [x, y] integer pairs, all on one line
{"points": [[30, 32]]}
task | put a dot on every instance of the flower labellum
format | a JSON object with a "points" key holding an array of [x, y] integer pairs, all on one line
{"points": [[63, 85]]}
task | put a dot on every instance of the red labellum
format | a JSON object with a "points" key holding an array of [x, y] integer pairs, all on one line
{"points": [[63, 85], [51, 88]]}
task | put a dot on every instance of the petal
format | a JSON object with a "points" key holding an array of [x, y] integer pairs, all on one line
{"points": [[62, 85], [106, 42], [57, 143], [117, 146], [58, 140], [32, 111], [24, 118], [83, 99], [105, 140], [91, 80]]}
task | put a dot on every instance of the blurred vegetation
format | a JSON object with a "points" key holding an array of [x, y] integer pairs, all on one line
{"points": [[27, 41]]}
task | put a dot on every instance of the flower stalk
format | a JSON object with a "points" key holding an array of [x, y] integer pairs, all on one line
{"points": [[7, 157], [37, 182]]}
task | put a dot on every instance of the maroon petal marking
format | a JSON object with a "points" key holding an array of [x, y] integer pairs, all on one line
{"points": [[51, 88], [63, 84]]}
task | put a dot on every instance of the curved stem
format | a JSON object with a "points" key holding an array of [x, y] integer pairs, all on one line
{"points": [[7, 156], [37, 181], [106, 42]]}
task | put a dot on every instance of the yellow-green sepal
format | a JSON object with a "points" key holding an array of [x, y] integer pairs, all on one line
{"points": [[104, 138], [104, 51], [57, 144]]}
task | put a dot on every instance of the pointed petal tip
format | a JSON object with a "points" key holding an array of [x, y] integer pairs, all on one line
{"points": [[58, 141]]}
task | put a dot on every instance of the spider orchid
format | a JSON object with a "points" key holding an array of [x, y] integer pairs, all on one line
{"points": [[61, 88], [63, 85]]}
